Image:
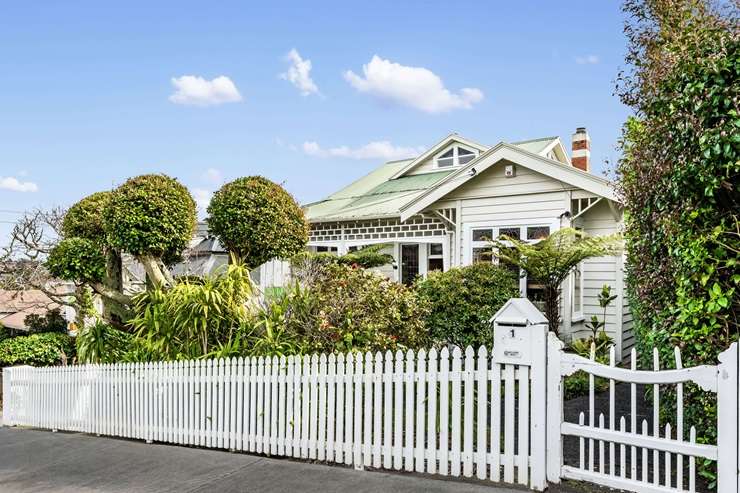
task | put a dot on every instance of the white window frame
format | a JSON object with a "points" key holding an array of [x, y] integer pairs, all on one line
{"points": [[577, 316], [455, 156], [496, 226]]}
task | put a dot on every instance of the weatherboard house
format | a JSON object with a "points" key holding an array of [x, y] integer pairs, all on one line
{"points": [[438, 211]]}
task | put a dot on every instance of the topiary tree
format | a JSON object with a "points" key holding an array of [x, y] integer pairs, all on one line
{"points": [[257, 220], [85, 218], [152, 217], [551, 260]]}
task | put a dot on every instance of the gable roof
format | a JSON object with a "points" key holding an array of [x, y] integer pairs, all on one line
{"points": [[512, 153], [389, 192], [450, 139]]}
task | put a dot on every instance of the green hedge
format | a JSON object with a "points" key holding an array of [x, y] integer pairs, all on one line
{"points": [[463, 300], [46, 349]]}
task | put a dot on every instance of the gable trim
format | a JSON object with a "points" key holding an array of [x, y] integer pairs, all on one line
{"points": [[509, 152], [450, 139]]}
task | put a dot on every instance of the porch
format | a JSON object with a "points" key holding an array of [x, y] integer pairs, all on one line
{"points": [[418, 246]]}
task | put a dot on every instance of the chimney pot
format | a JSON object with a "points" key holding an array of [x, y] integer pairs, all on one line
{"points": [[581, 150]]}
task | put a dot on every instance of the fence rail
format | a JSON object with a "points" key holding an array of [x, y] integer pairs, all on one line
{"points": [[628, 452], [442, 413]]}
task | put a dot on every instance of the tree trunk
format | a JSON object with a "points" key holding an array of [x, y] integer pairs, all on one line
{"points": [[155, 271], [552, 308]]}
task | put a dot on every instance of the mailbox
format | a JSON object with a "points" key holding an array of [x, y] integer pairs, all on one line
{"points": [[517, 328]]}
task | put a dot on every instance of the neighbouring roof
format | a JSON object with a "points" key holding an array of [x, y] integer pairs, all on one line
{"points": [[15, 306], [387, 190]]}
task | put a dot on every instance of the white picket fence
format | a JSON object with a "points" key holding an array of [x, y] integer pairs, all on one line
{"points": [[447, 414], [663, 459], [492, 416]]}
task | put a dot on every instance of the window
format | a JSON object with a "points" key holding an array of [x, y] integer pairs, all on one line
{"points": [[576, 292], [326, 249], [456, 156], [481, 250], [464, 156], [538, 232], [447, 159], [435, 259]]}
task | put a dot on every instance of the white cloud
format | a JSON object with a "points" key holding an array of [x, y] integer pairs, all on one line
{"points": [[587, 60], [197, 91], [416, 87], [202, 199], [13, 184], [374, 150], [299, 73], [212, 176]]}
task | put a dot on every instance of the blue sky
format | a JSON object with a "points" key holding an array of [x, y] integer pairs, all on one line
{"points": [[89, 90]]}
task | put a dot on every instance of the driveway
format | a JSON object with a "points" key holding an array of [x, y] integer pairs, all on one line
{"points": [[36, 460]]}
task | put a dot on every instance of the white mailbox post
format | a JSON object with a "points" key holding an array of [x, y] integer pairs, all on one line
{"points": [[520, 338]]}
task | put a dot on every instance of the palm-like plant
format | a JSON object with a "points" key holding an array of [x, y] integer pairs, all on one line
{"points": [[552, 259]]}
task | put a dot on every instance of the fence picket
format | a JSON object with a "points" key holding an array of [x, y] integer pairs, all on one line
{"points": [[455, 378], [367, 413], [388, 411], [378, 410], [340, 406], [331, 406], [420, 414], [431, 452]]}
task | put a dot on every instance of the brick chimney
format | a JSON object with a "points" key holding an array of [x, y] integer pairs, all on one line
{"points": [[581, 158]]}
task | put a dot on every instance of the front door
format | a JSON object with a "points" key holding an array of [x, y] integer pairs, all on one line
{"points": [[409, 263]]}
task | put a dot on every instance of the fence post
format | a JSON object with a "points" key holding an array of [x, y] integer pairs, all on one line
{"points": [[7, 375], [520, 338], [727, 421], [554, 409]]}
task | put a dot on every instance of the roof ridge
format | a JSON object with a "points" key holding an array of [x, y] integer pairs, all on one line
{"points": [[535, 140]]}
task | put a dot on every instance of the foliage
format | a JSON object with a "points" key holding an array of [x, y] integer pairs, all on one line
{"points": [[577, 385], [101, 343], [46, 349], [551, 260], [257, 220], [51, 321], [190, 319], [605, 299], [76, 259], [150, 215], [463, 300], [85, 218], [367, 257], [276, 329], [349, 308], [678, 177], [4, 332]]}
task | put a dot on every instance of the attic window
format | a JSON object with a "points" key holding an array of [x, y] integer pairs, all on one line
{"points": [[456, 156]]}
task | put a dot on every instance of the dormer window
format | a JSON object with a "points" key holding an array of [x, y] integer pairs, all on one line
{"points": [[455, 156]]}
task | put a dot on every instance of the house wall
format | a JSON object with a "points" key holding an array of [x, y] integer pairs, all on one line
{"points": [[600, 221], [526, 198]]}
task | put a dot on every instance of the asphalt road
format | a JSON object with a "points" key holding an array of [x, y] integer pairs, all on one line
{"points": [[36, 461]]}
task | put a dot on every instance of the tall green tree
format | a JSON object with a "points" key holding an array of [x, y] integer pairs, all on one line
{"points": [[679, 180]]}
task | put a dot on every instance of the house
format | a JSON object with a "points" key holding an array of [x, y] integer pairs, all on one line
{"points": [[439, 209], [15, 306]]}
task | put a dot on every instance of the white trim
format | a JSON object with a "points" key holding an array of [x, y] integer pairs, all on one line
{"points": [[576, 316], [507, 152], [449, 140]]}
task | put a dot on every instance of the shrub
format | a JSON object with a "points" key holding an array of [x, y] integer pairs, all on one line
{"points": [[150, 215], [76, 259], [85, 218], [678, 177], [51, 321], [257, 220], [361, 310], [45, 349], [192, 318], [463, 300], [101, 343]]}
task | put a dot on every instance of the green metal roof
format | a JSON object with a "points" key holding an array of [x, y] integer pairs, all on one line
{"points": [[376, 195]]}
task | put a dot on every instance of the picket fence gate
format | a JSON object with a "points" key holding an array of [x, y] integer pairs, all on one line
{"points": [[496, 416]]}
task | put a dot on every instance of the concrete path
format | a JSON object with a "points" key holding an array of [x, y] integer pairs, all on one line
{"points": [[36, 461]]}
